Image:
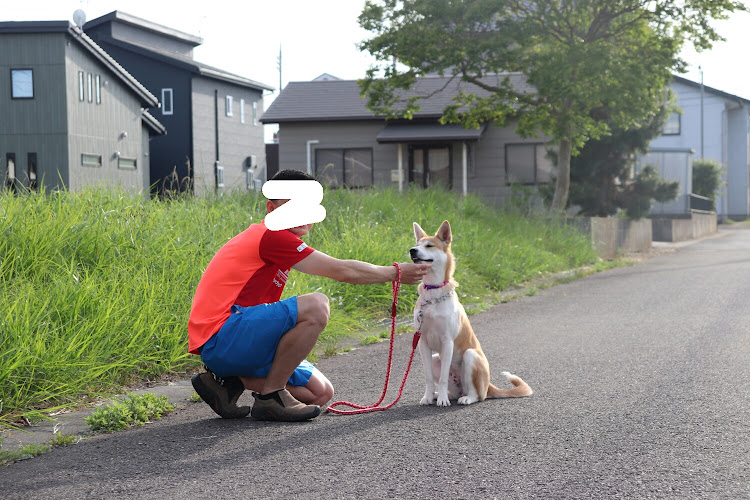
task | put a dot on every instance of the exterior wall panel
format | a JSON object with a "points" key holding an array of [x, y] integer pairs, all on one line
{"points": [[107, 129], [37, 125], [237, 141]]}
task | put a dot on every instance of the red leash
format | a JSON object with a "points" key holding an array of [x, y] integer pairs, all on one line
{"points": [[374, 407]]}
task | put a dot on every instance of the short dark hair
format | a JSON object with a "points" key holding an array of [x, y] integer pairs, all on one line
{"points": [[291, 174]]}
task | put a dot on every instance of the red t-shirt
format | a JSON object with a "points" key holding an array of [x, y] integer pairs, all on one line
{"points": [[251, 269]]}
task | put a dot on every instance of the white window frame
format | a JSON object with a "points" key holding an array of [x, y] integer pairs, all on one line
{"points": [[229, 101], [16, 91], [167, 103], [81, 87], [242, 111], [98, 88], [255, 113], [90, 86]]}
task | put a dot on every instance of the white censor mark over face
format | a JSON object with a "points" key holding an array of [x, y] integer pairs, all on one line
{"points": [[302, 208]]}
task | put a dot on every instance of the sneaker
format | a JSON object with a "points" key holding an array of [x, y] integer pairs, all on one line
{"points": [[221, 394], [281, 406]]}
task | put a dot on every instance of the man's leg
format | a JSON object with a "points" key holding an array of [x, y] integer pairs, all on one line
{"points": [[312, 316], [274, 401]]}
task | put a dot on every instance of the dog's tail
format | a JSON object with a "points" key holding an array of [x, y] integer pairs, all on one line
{"points": [[520, 388]]}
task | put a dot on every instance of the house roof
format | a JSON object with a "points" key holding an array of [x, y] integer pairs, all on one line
{"points": [[145, 24], [428, 132], [146, 97], [152, 123], [177, 60], [711, 90], [329, 100]]}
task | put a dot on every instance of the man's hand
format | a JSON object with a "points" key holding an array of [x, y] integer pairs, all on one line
{"points": [[411, 274]]}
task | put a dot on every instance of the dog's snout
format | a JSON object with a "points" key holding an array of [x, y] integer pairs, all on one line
{"points": [[413, 252]]}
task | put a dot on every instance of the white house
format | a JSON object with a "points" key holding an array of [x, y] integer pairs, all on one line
{"points": [[713, 125]]}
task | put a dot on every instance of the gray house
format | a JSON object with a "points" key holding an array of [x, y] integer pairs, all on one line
{"points": [[215, 139], [71, 116], [326, 129], [714, 125]]}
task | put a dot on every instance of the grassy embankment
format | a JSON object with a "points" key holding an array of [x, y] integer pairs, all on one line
{"points": [[97, 287]]}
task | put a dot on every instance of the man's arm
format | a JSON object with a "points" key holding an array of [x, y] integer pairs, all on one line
{"points": [[357, 272]]}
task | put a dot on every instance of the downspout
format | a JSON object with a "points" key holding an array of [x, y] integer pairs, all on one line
{"points": [[216, 138], [400, 168], [465, 167]]}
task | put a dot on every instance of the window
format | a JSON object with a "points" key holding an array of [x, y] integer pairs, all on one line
{"points": [[10, 171], [527, 164], [242, 111], [166, 102], [32, 172], [126, 163], [255, 113], [81, 95], [229, 105], [672, 125], [98, 89], [89, 85], [22, 84], [344, 167], [89, 160]]}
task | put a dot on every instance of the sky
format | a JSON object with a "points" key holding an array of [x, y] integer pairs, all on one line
{"points": [[321, 36]]}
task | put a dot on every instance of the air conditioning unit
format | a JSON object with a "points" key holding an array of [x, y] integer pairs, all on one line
{"points": [[219, 175], [251, 161]]}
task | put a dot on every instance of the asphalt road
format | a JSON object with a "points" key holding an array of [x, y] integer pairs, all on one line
{"points": [[642, 390]]}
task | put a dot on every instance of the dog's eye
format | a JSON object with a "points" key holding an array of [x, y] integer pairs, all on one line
{"points": [[428, 246]]}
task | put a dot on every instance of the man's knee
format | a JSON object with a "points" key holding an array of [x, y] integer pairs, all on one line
{"points": [[313, 308]]}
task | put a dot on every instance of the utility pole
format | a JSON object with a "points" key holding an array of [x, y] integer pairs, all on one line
{"points": [[701, 70], [278, 64]]}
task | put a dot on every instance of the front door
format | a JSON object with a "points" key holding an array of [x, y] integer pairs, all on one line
{"points": [[430, 166]]}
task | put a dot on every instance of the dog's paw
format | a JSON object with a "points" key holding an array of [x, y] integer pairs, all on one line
{"points": [[466, 400], [426, 400], [443, 401]]}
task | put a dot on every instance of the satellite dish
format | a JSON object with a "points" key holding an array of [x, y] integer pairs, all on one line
{"points": [[79, 18]]}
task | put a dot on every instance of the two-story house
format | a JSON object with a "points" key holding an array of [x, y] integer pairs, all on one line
{"points": [[70, 115], [713, 125], [215, 138]]}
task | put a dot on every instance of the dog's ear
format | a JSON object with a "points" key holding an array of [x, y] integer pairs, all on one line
{"points": [[444, 233], [419, 232]]}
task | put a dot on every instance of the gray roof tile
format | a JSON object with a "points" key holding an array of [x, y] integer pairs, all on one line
{"points": [[341, 100]]}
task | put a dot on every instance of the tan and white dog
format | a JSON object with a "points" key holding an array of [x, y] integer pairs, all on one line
{"points": [[458, 366]]}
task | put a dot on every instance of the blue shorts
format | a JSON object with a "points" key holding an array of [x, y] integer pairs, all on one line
{"points": [[246, 343]]}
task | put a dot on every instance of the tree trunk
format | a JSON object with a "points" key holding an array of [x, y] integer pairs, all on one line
{"points": [[560, 200]]}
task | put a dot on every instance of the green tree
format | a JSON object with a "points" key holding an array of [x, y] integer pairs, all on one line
{"points": [[600, 174], [578, 56], [707, 179]]}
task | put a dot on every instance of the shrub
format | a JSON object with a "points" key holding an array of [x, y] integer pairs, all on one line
{"points": [[707, 179]]}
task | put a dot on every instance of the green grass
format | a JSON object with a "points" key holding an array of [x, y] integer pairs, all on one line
{"points": [[133, 410], [97, 286]]}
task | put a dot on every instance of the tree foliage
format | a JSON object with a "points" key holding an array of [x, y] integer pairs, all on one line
{"points": [[591, 64], [600, 174], [707, 178]]}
